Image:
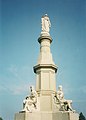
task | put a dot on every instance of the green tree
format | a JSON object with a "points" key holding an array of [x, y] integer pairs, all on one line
{"points": [[81, 116], [1, 118]]}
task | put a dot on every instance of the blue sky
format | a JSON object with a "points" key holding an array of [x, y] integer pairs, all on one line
{"points": [[20, 24]]}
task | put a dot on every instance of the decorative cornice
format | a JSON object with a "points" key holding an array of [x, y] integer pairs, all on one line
{"points": [[39, 66], [44, 37]]}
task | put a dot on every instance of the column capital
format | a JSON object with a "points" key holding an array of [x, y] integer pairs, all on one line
{"points": [[44, 38], [47, 66]]}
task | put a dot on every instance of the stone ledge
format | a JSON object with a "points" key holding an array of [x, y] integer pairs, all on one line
{"points": [[44, 37], [47, 116], [39, 66]]}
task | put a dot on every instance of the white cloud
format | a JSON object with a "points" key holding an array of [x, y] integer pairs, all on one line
{"points": [[14, 70], [15, 89], [80, 101], [16, 80], [19, 89], [68, 89], [83, 89], [2, 88]]}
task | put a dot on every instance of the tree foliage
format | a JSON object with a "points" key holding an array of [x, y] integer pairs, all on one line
{"points": [[1, 118], [81, 116]]}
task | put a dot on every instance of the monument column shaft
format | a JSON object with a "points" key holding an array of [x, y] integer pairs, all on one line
{"points": [[45, 68], [45, 56], [45, 46]]}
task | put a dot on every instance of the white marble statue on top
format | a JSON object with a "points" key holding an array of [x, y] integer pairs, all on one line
{"points": [[30, 101], [45, 22], [65, 105]]}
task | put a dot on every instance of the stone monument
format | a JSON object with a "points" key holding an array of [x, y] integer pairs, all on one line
{"points": [[45, 103]]}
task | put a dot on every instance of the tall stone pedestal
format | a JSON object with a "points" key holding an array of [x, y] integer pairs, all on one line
{"points": [[46, 116]]}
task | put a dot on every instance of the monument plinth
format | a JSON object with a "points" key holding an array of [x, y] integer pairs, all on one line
{"points": [[45, 102]]}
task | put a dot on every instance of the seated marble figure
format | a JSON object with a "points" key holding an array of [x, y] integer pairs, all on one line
{"points": [[30, 101], [65, 105]]}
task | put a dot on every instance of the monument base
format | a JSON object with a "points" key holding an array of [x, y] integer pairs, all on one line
{"points": [[46, 116]]}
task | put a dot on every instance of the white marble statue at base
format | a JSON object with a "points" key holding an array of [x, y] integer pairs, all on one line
{"points": [[64, 105], [29, 103]]}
